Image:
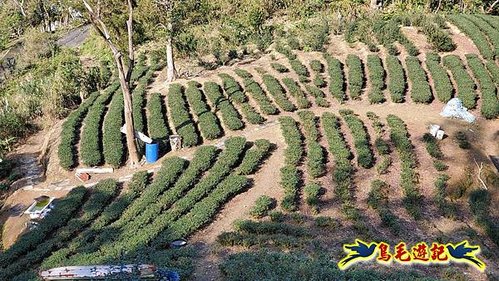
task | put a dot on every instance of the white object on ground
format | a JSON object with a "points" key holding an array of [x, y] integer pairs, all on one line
{"points": [[440, 134], [138, 135], [39, 212], [455, 109], [434, 129], [95, 170]]}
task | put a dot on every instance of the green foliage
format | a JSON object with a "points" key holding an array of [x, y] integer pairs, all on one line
{"points": [[139, 100], [465, 84], [181, 118], [376, 78], [243, 73], [355, 76], [316, 66], [490, 103], [439, 165], [230, 116], [388, 31], [312, 192], [318, 94], [400, 139], [67, 153], [319, 81], [336, 76], [112, 138], [279, 67], [208, 121], [473, 32], [487, 29], [277, 91], [316, 156], [295, 90], [263, 101], [480, 201], [397, 81], [382, 146], [462, 140], [441, 81], [438, 38], [420, 88], [432, 146], [378, 200], [90, 143], [383, 165], [157, 121], [293, 139], [446, 208], [299, 68], [290, 182], [263, 205], [254, 157], [365, 157]]}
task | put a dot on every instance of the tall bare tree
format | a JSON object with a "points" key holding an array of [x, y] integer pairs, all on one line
{"points": [[166, 9], [125, 68]]}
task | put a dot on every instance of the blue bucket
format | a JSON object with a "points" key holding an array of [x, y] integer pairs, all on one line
{"points": [[152, 152]]}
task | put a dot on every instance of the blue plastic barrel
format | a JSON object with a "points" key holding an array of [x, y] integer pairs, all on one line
{"points": [[152, 152]]}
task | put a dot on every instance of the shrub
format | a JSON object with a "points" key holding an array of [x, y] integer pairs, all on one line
{"points": [[316, 158], [397, 83], [439, 165], [209, 125], [263, 205], [377, 124], [157, 121], [490, 103], [276, 90], [256, 92], [493, 70], [279, 67], [230, 116], [473, 32], [299, 68], [139, 100], [355, 76], [479, 202], [295, 90], [382, 146], [383, 165], [312, 194], [462, 140], [487, 29], [376, 78], [293, 139], [420, 88], [180, 116], [465, 85], [232, 89], [90, 144], [439, 40], [276, 216], [243, 73], [67, 153], [324, 222], [336, 76], [441, 81], [112, 138], [319, 81], [316, 66], [290, 182], [318, 94], [365, 157], [432, 146], [378, 200], [254, 157]]}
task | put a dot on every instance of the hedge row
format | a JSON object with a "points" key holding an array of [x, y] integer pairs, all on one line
{"points": [[230, 116], [439, 39], [90, 144], [158, 121], [111, 213], [139, 101], [209, 124], [181, 118], [98, 199], [343, 171], [279, 67], [318, 94], [355, 76], [491, 32], [68, 156], [441, 81], [134, 237], [58, 217], [290, 182], [316, 66], [243, 73], [376, 78], [387, 32], [494, 71], [254, 157], [268, 227], [293, 139], [112, 138], [400, 139], [316, 158], [365, 157], [313, 192], [473, 32], [490, 103], [295, 90], [397, 84], [446, 208], [263, 205], [277, 91], [378, 200], [480, 202], [336, 76], [299, 67], [257, 93], [465, 84], [204, 211], [235, 93], [432, 146], [420, 88]]}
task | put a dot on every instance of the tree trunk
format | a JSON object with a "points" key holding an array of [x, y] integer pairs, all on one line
{"points": [[171, 72]]}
